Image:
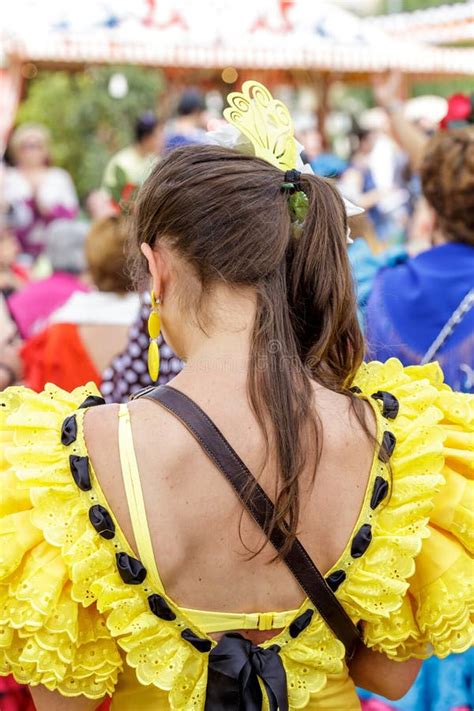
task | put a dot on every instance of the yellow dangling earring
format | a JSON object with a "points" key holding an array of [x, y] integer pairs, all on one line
{"points": [[154, 325]]}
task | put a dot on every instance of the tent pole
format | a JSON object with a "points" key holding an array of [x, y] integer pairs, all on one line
{"points": [[324, 86]]}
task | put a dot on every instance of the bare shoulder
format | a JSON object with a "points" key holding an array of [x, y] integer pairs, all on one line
{"points": [[154, 430], [343, 418], [100, 426], [101, 438]]}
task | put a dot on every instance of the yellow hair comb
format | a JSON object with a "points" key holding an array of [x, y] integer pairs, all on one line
{"points": [[266, 122]]}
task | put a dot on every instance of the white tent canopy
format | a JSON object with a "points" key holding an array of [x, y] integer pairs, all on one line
{"points": [[438, 25], [277, 34], [309, 35]]}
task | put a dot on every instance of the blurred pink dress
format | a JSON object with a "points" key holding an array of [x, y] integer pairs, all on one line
{"points": [[32, 306]]}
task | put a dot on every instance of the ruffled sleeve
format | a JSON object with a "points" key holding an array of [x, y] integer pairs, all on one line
{"points": [[414, 589], [75, 604], [48, 635]]}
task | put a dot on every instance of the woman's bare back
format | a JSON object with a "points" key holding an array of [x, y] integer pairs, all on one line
{"points": [[194, 516]]}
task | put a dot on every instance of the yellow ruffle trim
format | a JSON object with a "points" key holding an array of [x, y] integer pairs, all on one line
{"points": [[46, 637], [414, 586], [65, 608], [308, 659]]}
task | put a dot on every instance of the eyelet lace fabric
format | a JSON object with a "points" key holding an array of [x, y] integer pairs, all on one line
{"points": [[46, 635], [65, 608], [414, 589], [308, 659], [66, 614]]}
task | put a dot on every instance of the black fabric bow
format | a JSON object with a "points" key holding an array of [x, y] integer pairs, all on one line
{"points": [[235, 666]]}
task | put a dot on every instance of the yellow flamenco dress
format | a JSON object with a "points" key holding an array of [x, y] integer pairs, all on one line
{"points": [[81, 615]]}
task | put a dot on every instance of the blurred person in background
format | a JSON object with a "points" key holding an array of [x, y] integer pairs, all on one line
{"points": [[98, 204], [10, 362], [412, 135], [367, 256], [423, 310], [432, 288], [132, 164], [34, 192], [411, 124], [10, 369], [12, 277], [324, 163], [190, 123], [31, 306], [358, 182], [91, 327], [12, 274]]}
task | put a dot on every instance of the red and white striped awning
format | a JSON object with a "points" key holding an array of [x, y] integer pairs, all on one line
{"points": [[268, 34]]}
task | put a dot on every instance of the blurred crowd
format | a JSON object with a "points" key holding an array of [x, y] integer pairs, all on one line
{"points": [[70, 312]]}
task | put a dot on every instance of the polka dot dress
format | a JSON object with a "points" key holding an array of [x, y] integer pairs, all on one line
{"points": [[128, 372]]}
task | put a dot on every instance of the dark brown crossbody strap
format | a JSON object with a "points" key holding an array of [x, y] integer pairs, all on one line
{"points": [[260, 508]]}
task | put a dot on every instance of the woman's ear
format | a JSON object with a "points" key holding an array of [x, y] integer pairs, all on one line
{"points": [[158, 267]]}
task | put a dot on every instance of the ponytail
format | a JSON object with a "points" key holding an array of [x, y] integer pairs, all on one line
{"points": [[306, 329], [320, 292]]}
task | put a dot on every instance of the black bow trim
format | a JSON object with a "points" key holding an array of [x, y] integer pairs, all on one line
{"points": [[79, 467], [130, 569], [388, 445], [102, 521], [379, 492], [300, 623], [202, 645], [336, 579], [160, 607], [361, 540], [69, 430], [92, 401], [235, 667], [390, 404]]}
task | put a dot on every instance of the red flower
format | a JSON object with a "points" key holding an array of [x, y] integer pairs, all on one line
{"points": [[459, 110], [127, 191]]}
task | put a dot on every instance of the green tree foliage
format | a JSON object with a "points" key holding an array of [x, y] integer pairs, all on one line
{"points": [[410, 5], [443, 86], [88, 125]]}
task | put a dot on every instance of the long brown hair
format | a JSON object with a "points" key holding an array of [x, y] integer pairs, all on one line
{"points": [[226, 214]]}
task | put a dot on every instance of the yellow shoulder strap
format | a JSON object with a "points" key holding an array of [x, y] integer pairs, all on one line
{"points": [[134, 494]]}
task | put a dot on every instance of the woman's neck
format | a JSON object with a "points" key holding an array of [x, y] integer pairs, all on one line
{"points": [[223, 349], [220, 356], [438, 238], [29, 169]]}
